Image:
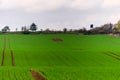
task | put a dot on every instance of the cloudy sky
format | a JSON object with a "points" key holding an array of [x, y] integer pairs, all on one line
{"points": [[58, 14]]}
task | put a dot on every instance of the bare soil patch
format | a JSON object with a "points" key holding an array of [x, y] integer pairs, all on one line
{"points": [[57, 40], [37, 76]]}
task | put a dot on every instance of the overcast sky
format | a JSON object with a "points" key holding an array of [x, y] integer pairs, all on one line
{"points": [[58, 14]]}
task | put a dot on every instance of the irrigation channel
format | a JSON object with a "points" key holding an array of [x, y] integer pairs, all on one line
{"points": [[34, 73]]}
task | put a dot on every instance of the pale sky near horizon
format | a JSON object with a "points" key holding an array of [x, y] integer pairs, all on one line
{"points": [[58, 14]]}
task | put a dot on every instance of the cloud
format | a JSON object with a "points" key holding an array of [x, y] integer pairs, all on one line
{"points": [[46, 5], [60, 13], [84, 4], [99, 19], [31, 5], [110, 3]]}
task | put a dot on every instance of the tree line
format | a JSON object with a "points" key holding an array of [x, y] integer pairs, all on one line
{"points": [[104, 29], [33, 29]]}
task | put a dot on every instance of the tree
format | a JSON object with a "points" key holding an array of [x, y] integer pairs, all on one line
{"points": [[22, 28], [91, 26], [6, 29], [104, 29], [33, 27], [118, 25], [107, 28], [16, 29], [65, 30], [25, 30], [47, 30]]}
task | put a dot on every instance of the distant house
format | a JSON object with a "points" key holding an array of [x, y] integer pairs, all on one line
{"points": [[6, 29]]}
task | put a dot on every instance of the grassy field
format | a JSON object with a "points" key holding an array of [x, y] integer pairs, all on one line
{"points": [[76, 57]]}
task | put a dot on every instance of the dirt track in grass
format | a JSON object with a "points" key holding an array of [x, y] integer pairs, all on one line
{"points": [[12, 57], [3, 52], [113, 55], [37, 76], [11, 52]]}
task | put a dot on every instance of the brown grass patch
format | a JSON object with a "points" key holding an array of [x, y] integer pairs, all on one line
{"points": [[37, 76], [57, 39]]}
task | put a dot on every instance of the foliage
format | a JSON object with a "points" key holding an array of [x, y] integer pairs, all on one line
{"points": [[91, 26], [33, 27], [65, 30], [26, 32], [104, 29]]}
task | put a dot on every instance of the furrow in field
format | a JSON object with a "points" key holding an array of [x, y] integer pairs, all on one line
{"points": [[12, 56], [2, 75], [3, 56], [3, 53], [9, 74], [22, 76], [37, 76], [116, 56], [15, 76], [11, 52]]}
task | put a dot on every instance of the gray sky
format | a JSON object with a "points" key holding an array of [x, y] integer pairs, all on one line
{"points": [[58, 14]]}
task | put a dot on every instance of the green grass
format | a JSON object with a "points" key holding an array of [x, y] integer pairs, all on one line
{"points": [[78, 57]]}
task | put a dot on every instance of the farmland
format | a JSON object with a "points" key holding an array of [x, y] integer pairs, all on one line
{"points": [[59, 57]]}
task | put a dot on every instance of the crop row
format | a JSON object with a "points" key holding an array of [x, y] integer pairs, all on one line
{"points": [[15, 75]]}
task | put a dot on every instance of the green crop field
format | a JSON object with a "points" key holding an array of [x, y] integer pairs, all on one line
{"points": [[59, 57]]}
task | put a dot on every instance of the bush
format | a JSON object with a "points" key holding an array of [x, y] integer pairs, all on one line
{"points": [[26, 32]]}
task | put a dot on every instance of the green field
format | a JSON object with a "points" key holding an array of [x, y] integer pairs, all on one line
{"points": [[77, 57]]}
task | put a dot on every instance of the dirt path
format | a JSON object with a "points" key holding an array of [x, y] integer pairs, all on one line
{"points": [[11, 52], [36, 75], [3, 53]]}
